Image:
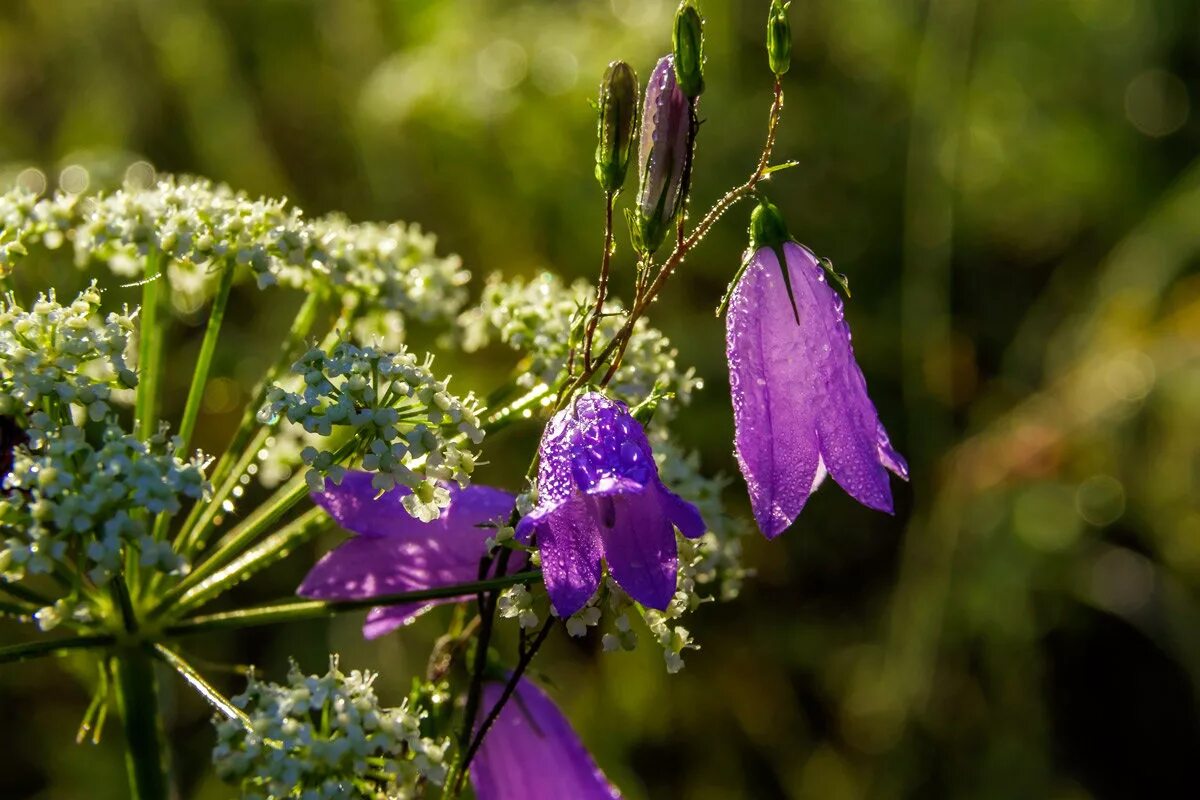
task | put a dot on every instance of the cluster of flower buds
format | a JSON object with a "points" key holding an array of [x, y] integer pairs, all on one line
{"points": [[197, 224], [57, 356], [542, 318], [325, 738], [399, 414], [64, 492]]}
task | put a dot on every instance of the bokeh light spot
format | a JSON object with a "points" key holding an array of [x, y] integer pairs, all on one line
{"points": [[1100, 500], [1156, 103], [502, 65], [74, 179]]}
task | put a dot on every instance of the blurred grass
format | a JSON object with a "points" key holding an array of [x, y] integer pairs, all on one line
{"points": [[1012, 189]]}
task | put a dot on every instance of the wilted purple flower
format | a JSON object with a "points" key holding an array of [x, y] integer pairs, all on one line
{"points": [[599, 495], [661, 156], [800, 401], [393, 552], [531, 752]]}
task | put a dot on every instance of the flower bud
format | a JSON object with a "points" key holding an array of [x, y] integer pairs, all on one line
{"points": [[661, 157], [779, 38], [767, 229], [617, 121], [688, 39]]}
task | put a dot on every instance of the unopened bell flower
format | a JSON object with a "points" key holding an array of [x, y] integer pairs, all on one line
{"points": [[661, 156], [600, 496], [800, 401]]}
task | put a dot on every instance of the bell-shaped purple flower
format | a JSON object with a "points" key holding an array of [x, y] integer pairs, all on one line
{"points": [[531, 752], [393, 552], [800, 402], [661, 156], [599, 496]]}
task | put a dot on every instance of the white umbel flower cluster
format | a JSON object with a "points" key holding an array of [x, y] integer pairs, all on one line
{"points": [[404, 421], [196, 224], [543, 318], [66, 493], [55, 356], [325, 738]]}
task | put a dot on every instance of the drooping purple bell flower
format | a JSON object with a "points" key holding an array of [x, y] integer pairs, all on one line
{"points": [[532, 753], [661, 156], [393, 552], [599, 496], [800, 402]]}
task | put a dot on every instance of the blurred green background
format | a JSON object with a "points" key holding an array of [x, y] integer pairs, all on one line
{"points": [[1011, 186]]}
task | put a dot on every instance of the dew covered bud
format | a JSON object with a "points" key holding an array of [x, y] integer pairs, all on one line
{"points": [[779, 38], [688, 39], [617, 108], [661, 157]]}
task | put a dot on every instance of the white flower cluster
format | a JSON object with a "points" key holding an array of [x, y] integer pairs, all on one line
{"points": [[65, 493], [197, 223], [54, 356], [544, 318], [325, 738], [715, 559], [400, 415], [516, 602]]}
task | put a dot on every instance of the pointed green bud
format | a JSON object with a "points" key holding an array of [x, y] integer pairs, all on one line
{"points": [[618, 108], [779, 38], [689, 49], [767, 229]]}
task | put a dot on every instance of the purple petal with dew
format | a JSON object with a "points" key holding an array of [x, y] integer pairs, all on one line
{"points": [[407, 555], [800, 400], [532, 753], [570, 546], [639, 545], [683, 514]]}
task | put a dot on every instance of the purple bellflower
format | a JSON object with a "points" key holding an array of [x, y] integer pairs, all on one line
{"points": [[600, 497], [393, 553], [661, 155], [531, 752], [800, 402]]}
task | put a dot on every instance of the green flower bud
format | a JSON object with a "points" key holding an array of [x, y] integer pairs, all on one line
{"points": [[688, 39], [779, 38], [767, 228], [617, 108]]}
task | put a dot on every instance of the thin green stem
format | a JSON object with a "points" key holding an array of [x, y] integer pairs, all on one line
{"points": [[195, 529], [271, 550], [20, 592], [40, 649], [205, 689], [301, 610], [302, 326], [149, 349], [208, 346], [145, 743]]}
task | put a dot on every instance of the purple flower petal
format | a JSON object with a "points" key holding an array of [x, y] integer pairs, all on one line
{"points": [[570, 546], [799, 398], [400, 554], [639, 546], [532, 753]]}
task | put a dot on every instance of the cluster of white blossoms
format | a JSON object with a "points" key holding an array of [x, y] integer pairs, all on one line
{"points": [[389, 407], [53, 355], [66, 492], [544, 319], [325, 738], [76, 483], [196, 224]]}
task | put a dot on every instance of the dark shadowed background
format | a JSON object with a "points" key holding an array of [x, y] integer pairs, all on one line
{"points": [[1011, 187]]}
